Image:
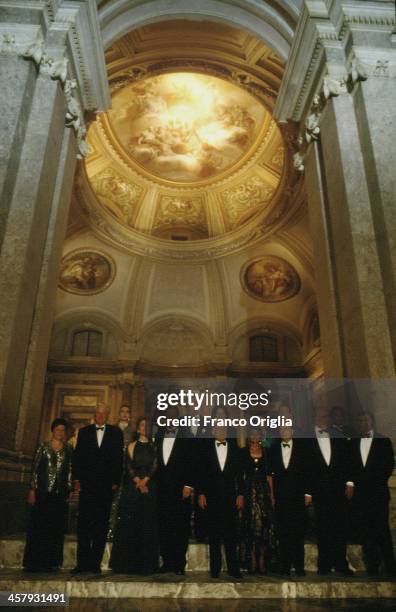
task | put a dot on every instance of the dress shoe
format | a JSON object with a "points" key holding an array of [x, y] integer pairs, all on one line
{"points": [[324, 572], [285, 574], [214, 574], [77, 570], [164, 570], [345, 572], [236, 575], [300, 573], [180, 572], [96, 570]]}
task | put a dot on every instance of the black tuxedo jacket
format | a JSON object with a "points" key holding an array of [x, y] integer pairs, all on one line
{"points": [[328, 482], [179, 470], [221, 487], [371, 480], [289, 484], [98, 467]]}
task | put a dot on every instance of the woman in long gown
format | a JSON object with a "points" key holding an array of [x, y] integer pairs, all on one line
{"points": [[48, 498], [135, 544], [258, 543]]}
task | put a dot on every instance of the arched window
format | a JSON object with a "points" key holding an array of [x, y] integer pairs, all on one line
{"points": [[87, 343], [263, 347]]}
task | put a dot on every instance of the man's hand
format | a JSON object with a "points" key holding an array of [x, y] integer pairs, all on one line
{"points": [[272, 500], [349, 489], [77, 486], [308, 499], [240, 502], [114, 487], [186, 492], [202, 502], [31, 497]]}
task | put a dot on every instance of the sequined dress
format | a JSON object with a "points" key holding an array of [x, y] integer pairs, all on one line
{"points": [[51, 480]]}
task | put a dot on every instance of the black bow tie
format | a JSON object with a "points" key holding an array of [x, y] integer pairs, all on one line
{"points": [[285, 444], [171, 431], [367, 435], [99, 428], [322, 431], [221, 443]]}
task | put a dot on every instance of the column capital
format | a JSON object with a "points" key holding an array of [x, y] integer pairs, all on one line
{"points": [[336, 42], [63, 39]]}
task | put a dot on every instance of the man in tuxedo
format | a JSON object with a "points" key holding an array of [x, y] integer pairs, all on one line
{"points": [[373, 462], [288, 466], [338, 427], [221, 496], [330, 483], [175, 477], [97, 468], [124, 423]]}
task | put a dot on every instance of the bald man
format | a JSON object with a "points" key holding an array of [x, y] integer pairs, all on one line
{"points": [[97, 469]]}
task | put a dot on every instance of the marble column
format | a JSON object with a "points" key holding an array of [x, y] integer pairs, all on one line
{"points": [[330, 90], [52, 72]]}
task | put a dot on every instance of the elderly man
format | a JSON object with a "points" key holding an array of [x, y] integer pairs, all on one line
{"points": [[97, 468]]}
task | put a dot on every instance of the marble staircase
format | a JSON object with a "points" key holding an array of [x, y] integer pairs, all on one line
{"points": [[196, 584]]}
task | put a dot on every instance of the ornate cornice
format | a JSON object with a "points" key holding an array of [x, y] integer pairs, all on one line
{"points": [[65, 45], [326, 45]]}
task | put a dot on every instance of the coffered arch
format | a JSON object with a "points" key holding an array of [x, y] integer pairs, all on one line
{"points": [[271, 21]]}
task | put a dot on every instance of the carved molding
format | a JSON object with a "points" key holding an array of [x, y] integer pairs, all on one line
{"points": [[58, 69], [350, 41]]}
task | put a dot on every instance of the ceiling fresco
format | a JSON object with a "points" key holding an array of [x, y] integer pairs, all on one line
{"points": [[189, 150], [186, 127]]}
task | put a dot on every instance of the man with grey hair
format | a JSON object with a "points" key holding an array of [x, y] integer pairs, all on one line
{"points": [[97, 469]]}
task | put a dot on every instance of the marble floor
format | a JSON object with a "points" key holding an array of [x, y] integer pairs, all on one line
{"points": [[196, 591], [212, 605]]}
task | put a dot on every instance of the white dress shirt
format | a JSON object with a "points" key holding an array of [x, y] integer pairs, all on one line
{"points": [[365, 445], [287, 448], [167, 447], [99, 434], [323, 438], [221, 450]]}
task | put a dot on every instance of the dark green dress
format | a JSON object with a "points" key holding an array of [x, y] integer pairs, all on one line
{"points": [[135, 544]]}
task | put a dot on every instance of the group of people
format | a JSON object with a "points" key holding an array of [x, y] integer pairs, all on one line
{"points": [[251, 500]]}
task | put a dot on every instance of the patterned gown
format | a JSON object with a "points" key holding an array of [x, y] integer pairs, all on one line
{"points": [[51, 479]]}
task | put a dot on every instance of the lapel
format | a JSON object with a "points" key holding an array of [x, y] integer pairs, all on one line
{"points": [[320, 454], [370, 454], [286, 469], [217, 457], [104, 439]]}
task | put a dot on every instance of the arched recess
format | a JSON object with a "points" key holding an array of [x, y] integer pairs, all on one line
{"points": [[288, 340], [173, 342], [272, 22], [67, 324]]}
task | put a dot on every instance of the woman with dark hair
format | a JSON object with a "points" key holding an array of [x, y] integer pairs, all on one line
{"points": [[258, 544], [48, 497], [135, 545]]}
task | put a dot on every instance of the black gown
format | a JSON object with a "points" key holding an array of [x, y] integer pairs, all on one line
{"points": [[257, 525], [135, 545], [51, 479]]}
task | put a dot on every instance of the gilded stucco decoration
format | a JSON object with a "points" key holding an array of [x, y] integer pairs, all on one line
{"points": [[86, 272], [179, 211], [241, 199], [117, 194], [270, 279]]}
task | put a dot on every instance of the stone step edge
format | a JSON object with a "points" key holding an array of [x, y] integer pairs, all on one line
{"points": [[99, 588]]}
